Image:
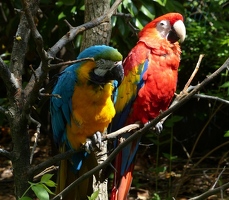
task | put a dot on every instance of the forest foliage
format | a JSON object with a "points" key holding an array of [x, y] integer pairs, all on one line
{"points": [[207, 23]]}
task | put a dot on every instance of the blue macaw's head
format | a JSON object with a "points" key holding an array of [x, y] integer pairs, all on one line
{"points": [[108, 64]]}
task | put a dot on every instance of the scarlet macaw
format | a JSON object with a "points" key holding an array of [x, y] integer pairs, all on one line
{"points": [[150, 78], [84, 107]]}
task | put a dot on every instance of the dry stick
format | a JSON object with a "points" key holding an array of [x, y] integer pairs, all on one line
{"points": [[36, 136], [183, 99], [185, 89], [192, 151], [220, 174], [6, 153], [70, 62], [204, 96], [193, 73], [210, 152], [211, 192]]}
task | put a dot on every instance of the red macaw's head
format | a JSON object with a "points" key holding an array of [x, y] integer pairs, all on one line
{"points": [[169, 26]]}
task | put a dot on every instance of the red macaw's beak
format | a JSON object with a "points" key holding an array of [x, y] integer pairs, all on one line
{"points": [[177, 32]]}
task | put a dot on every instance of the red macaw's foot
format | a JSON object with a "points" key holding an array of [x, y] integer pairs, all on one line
{"points": [[158, 128], [95, 141]]}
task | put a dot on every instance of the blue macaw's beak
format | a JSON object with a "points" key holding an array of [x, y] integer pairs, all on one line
{"points": [[115, 73]]}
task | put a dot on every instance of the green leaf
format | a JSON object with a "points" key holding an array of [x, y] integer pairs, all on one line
{"points": [[225, 85], [61, 16], [94, 195], [47, 189], [169, 156], [40, 192], [226, 134], [162, 3], [171, 121], [25, 198], [146, 12], [50, 183], [156, 197], [46, 177]]}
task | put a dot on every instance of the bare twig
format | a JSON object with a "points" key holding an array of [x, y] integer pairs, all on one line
{"points": [[48, 94], [33, 86], [36, 136], [186, 87], [76, 30], [70, 62], [55, 159], [35, 33], [211, 192], [204, 96], [193, 73], [47, 170], [217, 179], [5, 153]]}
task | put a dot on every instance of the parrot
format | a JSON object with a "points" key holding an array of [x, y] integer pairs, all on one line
{"points": [[81, 106], [149, 84]]}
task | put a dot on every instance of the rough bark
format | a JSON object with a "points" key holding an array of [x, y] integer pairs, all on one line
{"points": [[100, 34], [17, 115]]}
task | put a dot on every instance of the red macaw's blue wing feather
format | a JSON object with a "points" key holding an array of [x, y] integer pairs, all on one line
{"points": [[126, 95]]}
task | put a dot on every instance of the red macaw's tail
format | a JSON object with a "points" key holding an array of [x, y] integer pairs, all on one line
{"points": [[67, 175], [121, 192], [123, 176]]}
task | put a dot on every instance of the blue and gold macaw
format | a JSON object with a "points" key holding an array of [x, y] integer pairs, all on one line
{"points": [[83, 108]]}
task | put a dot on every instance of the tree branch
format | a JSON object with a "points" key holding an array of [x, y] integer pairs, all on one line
{"points": [[76, 30], [211, 192], [204, 96], [5, 153], [33, 86], [183, 99]]}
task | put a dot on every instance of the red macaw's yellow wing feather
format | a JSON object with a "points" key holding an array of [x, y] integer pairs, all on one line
{"points": [[151, 70]]}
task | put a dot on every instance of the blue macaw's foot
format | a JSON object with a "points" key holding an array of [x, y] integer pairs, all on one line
{"points": [[95, 141]]}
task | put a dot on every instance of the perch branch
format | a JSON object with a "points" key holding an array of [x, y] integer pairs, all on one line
{"points": [[55, 159], [134, 136]]}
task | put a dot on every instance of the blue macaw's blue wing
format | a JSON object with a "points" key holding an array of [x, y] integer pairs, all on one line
{"points": [[61, 107]]}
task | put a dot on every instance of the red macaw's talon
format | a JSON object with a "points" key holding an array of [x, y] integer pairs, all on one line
{"points": [[149, 84], [85, 107]]}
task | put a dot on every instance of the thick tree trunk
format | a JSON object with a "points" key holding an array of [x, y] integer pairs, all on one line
{"points": [[18, 113], [98, 35]]}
